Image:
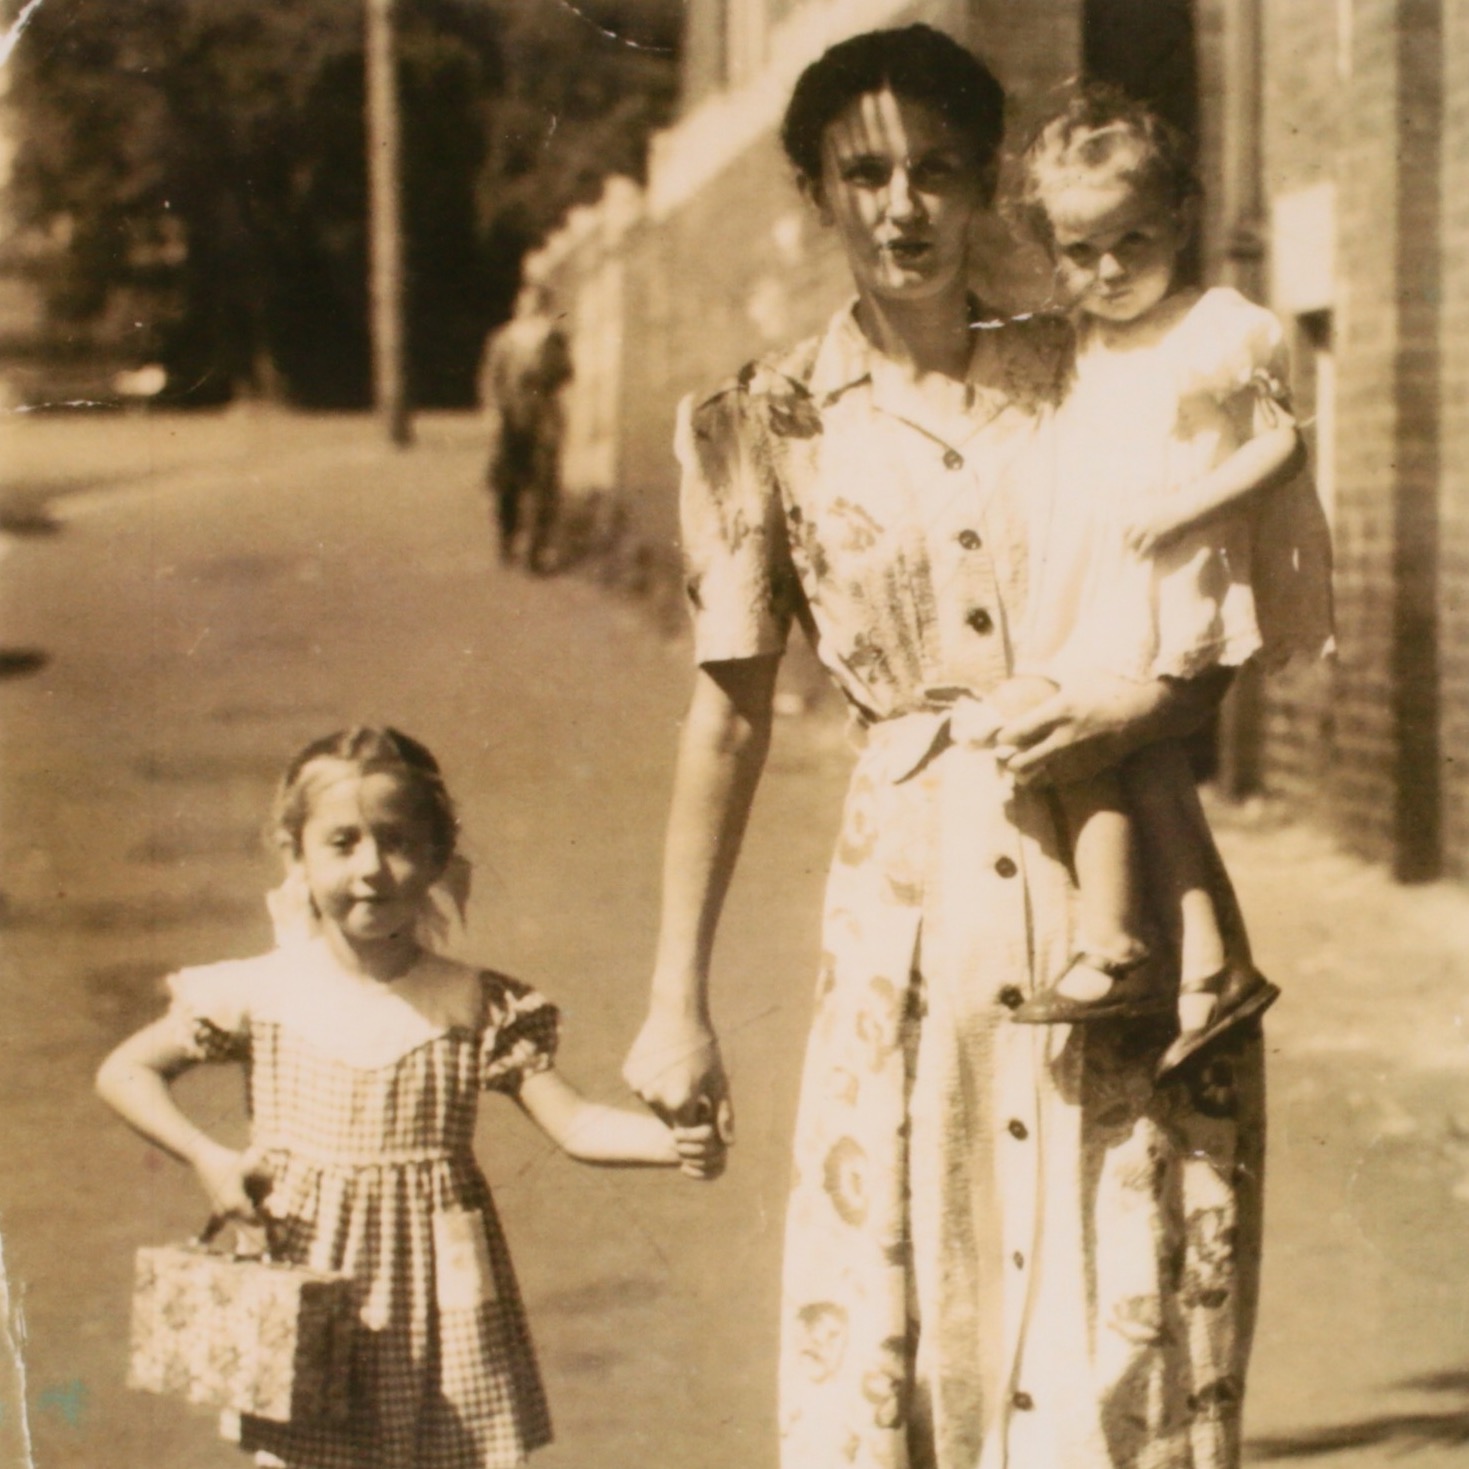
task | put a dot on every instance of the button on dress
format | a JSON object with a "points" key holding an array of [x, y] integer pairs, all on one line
{"points": [[363, 1100], [1006, 1248]]}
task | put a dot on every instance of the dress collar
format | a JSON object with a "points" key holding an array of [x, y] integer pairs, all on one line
{"points": [[846, 359]]}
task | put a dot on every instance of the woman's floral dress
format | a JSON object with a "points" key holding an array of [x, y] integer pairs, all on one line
{"points": [[1006, 1246], [363, 1100]]}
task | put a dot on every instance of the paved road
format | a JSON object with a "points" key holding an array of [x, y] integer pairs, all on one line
{"points": [[243, 585]]}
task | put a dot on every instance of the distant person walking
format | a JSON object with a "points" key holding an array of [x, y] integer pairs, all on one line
{"points": [[526, 364]]}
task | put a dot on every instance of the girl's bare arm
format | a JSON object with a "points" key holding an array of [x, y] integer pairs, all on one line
{"points": [[134, 1082], [675, 1060], [592, 1132]]}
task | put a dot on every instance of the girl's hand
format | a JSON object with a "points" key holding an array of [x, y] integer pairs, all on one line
{"points": [[702, 1152], [235, 1182]]}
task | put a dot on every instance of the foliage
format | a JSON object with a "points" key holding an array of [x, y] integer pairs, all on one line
{"points": [[190, 182]]}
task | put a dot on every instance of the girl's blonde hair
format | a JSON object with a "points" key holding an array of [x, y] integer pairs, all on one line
{"points": [[1102, 130], [365, 750]]}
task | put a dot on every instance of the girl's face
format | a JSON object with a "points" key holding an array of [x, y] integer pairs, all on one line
{"points": [[1116, 246], [901, 188], [369, 856]]}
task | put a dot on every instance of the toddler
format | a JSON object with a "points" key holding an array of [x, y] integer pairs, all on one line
{"points": [[366, 1052], [1179, 540]]}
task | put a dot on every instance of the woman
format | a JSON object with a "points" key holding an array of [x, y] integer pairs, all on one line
{"points": [[1005, 1245]]}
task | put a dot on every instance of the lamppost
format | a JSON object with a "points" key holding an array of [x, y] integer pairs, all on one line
{"points": [[385, 210]]}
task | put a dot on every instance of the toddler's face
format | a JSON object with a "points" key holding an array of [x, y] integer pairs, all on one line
{"points": [[1116, 246], [369, 856]]}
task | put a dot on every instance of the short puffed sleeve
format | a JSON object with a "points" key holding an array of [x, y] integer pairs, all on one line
{"points": [[1237, 354], [738, 574], [1233, 349], [210, 1010], [519, 1035]]}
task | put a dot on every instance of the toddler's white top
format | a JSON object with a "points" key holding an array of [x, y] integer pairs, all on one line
{"points": [[1148, 412]]}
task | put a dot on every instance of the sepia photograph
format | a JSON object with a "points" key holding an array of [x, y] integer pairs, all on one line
{"points": [[734, 734]]}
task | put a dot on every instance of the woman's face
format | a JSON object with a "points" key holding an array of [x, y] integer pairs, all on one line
{"points": [[901, 187]]}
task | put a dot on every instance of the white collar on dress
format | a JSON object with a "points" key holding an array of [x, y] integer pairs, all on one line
{"points": [[355, 1020]]}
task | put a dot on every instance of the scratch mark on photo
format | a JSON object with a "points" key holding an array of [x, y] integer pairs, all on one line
{"points": [[13, 1374], [8, 41]]}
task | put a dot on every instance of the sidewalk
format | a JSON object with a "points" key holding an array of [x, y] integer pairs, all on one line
{"points": [[1362, 1354], [248, 587]]}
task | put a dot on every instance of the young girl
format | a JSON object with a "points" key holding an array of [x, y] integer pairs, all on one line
{"points": [[1176, 540], [366, 1053]]}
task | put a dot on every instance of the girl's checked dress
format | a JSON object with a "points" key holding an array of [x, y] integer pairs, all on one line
{"points": [[1006, 1247], [363, 1099]]}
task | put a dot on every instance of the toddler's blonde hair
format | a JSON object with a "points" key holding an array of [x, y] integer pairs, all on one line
{"points": [[1102, 131]]}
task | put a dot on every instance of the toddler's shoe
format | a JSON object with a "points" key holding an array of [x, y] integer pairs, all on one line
{"points": [[1132, 993], [1207, 1014]]}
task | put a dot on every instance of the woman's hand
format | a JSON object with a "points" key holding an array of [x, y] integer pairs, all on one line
{"points": [[1097, 719], [675, 1067]]}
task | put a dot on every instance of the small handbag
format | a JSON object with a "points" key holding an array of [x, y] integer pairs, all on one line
{"points": [[244, 1332]]}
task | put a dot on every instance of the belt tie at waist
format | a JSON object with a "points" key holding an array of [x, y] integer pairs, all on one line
{"points": [[900, 745], [334, 1158]]}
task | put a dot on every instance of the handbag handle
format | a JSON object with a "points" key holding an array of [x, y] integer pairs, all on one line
{"points": [[269, 1228], [257, 1188]]}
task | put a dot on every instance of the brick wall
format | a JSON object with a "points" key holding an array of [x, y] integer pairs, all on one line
{"points": [[1384, 785], [1362, 791], [1453, 603], [1302, 97]]}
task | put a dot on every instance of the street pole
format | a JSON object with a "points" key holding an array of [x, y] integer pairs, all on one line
{"points": [[385, 209]]}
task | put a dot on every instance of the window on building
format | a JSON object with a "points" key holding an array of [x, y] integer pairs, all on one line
{"points": [[1146, 47], [1314, 363]]}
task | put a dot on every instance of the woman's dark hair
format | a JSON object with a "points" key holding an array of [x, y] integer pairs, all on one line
{"points": [[366, 751], [1101, 130], [917, 63]]}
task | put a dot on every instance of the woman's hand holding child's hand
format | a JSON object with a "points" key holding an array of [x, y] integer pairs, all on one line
{"points": [[702, 1152]]}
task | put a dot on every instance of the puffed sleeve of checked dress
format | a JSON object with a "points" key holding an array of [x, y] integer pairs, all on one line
{"points": [[210, 1009], [1236, 355], [521, 1028], [738, 575]]}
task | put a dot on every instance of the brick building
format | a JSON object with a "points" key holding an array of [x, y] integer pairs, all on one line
{"points": [[1334, 142]]}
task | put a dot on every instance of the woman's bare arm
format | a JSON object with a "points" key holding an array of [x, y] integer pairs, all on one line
{"points": [[675, 1060], [1095, 721]]}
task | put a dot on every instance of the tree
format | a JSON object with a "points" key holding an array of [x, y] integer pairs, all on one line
{"points": [[190, 174]]}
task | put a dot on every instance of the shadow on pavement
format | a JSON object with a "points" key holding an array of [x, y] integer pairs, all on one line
{"points": [[1399, 1433], [17, 662]]}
